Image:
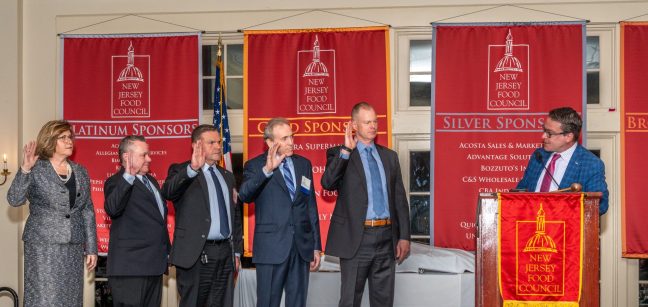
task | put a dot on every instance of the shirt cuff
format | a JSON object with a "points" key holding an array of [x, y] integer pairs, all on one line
{"points": [[190, 172], [129, 178], [344, 156], [266, 174], [237, 255]]}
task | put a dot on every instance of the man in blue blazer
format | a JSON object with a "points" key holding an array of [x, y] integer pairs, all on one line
{"points": [[562, 161], [286, 234]]}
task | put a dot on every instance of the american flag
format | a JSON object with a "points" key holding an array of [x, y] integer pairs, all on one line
{"points": [[221, 122]]}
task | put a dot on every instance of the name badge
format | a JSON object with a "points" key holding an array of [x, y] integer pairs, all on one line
{"points": [[305, 185]]}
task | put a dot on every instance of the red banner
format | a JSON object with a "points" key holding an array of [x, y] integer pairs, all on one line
{"points": [[540, 248], [634, 138], [116, 85], [313, 78], [492, 88]]}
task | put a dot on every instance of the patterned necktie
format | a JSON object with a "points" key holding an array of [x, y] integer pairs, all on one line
{"points": [[222, 211], [546, 180], [157, 201], [288, 178], [376, 184]]}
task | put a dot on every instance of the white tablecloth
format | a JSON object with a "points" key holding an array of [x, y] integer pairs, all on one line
{"points": [[412, 289]]}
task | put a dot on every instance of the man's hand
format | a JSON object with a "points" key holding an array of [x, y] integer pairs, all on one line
{"points": [[272, 161], [402, 250], [349, 141], [237, 263], [197, 157], [314, 265]]}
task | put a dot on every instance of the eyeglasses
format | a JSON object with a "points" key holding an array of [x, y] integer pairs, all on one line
{"points": [[66, 138], [550, 133]]}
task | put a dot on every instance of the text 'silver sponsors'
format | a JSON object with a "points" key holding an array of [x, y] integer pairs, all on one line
{"points": [[316, 80], [508, 76], [130, 85]]}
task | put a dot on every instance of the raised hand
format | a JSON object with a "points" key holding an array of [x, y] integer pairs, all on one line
{"points": [[273, 161], [129, 166], [197, 157], [349, 141], [29, 156]]}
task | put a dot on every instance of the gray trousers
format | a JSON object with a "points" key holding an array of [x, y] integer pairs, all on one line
{"points": [[375, 262]]}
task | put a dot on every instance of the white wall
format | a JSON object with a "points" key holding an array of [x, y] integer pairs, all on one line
{"points": [[29, 76], [10, 81]]}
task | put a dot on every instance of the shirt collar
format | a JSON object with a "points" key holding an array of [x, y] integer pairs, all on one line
{"points": [[361, 146], [567, 154]]}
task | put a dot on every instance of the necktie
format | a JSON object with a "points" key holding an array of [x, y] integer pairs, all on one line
{"points": [[376, 184], [157, 201], [546, 180], [288, 178], [222, 210]]}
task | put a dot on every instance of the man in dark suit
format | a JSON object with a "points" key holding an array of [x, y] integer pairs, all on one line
{"points": [[286, 234], [139, 240], [370, 227], [207, 239], [562, 161]]}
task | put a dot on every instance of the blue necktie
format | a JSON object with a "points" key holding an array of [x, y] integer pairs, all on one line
{"points": [[288, 178], [222, 211], [148, 185], [376, 184]]}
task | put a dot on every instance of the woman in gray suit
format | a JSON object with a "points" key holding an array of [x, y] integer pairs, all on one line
{"points": [[60, 228]]}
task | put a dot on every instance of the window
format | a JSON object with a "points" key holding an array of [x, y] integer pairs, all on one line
{"points": [[593, 68], [420, 73], [419, 187], [233, 55]]}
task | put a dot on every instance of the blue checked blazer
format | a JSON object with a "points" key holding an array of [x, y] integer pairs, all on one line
{"points": [[584, 168]]}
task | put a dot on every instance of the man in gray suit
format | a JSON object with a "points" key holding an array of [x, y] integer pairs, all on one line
{"points": [[286, 234], [370, 225]]}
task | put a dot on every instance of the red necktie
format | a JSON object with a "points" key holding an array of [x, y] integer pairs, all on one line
{"points": [[546, 180]]}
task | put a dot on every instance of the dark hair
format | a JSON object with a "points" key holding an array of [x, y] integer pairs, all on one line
{"points": [[199, 130], [48, 136], [277, 121], [126, 142], [570, 121], [358, 106]]}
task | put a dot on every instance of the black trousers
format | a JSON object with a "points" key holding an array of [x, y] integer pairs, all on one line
{"points": [[136, 290], [211, 283], [375, 262]]}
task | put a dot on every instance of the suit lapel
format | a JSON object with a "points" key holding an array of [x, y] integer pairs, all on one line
{"points": [[299, 172], [143, 189], [356, 161], [573, 168], [205, 189]]}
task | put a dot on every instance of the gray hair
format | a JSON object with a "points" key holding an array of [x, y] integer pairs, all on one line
{"points": [[126, 143], [277, 121]]}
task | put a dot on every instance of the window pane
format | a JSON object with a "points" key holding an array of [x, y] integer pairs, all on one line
{"points": [[208, 94], [420, 94], [420, 56], [420, 214], [235, 60], [593, 55], [420, 171], [235, 93], [208, 60], [593, 96]]}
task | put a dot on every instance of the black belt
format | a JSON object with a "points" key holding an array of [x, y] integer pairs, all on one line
{"points": [[216, 242]]}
